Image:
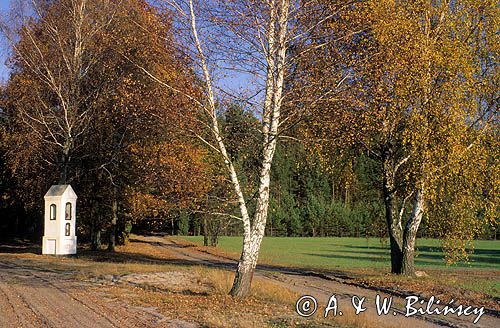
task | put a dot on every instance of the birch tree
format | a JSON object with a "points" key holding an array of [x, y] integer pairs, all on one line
{"points": [[412, 105], [445, 125], [253, 38], [274, 28], [124, 127], [58, 53]]}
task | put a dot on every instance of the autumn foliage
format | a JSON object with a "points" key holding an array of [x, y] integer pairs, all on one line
{"points": [[83, 112], [365, 118]]}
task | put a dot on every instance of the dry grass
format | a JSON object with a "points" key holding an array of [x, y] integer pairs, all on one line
{"points": [[270, 305], [262, 288], [447, 284], [215, 310], [371, 320]]}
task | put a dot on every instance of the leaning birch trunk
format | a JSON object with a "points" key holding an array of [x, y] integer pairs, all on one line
{"points": [[211, 111], [253, 230], [410, 234], [276, 59], [251, 244]]}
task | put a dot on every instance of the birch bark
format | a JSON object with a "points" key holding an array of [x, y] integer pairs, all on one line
{"points": [[275, 59], [410, 234]]}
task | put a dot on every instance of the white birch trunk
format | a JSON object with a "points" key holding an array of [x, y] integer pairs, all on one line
{"points": [[276, 59], [410, 234], [275, 55]]}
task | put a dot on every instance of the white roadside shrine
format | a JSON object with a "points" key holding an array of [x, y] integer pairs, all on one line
{"points": [[59, 236]]}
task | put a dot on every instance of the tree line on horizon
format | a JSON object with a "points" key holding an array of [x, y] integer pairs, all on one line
{"points": [[361, 119]]}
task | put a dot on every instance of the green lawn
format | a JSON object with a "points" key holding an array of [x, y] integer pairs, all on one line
{"points": [[346, 253]]}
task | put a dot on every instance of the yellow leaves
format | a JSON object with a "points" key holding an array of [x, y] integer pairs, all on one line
{"points": [[462, 203], [416, 95]]}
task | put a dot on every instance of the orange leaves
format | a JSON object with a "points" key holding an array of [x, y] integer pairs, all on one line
{"points": [[147, 205], [125, 130], [172, 176]]}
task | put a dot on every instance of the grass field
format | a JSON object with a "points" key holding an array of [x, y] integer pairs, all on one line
{"points": [[369, 260], [347, 253]]}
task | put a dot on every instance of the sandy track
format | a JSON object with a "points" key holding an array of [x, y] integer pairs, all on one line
{"points": [[31, 297], [306, 283]]}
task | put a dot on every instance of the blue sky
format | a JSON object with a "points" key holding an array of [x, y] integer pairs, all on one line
{"points": [[234, 83], [4, 5]]}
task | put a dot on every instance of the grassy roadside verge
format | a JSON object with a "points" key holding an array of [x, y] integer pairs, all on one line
{"points": [[366, 261], [144, 277]]}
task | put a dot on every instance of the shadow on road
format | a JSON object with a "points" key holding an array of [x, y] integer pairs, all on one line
{"points": [[20, 247]]}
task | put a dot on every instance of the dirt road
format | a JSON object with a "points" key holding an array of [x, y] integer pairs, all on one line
{"points": [[33, 297], [322, 287]]}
